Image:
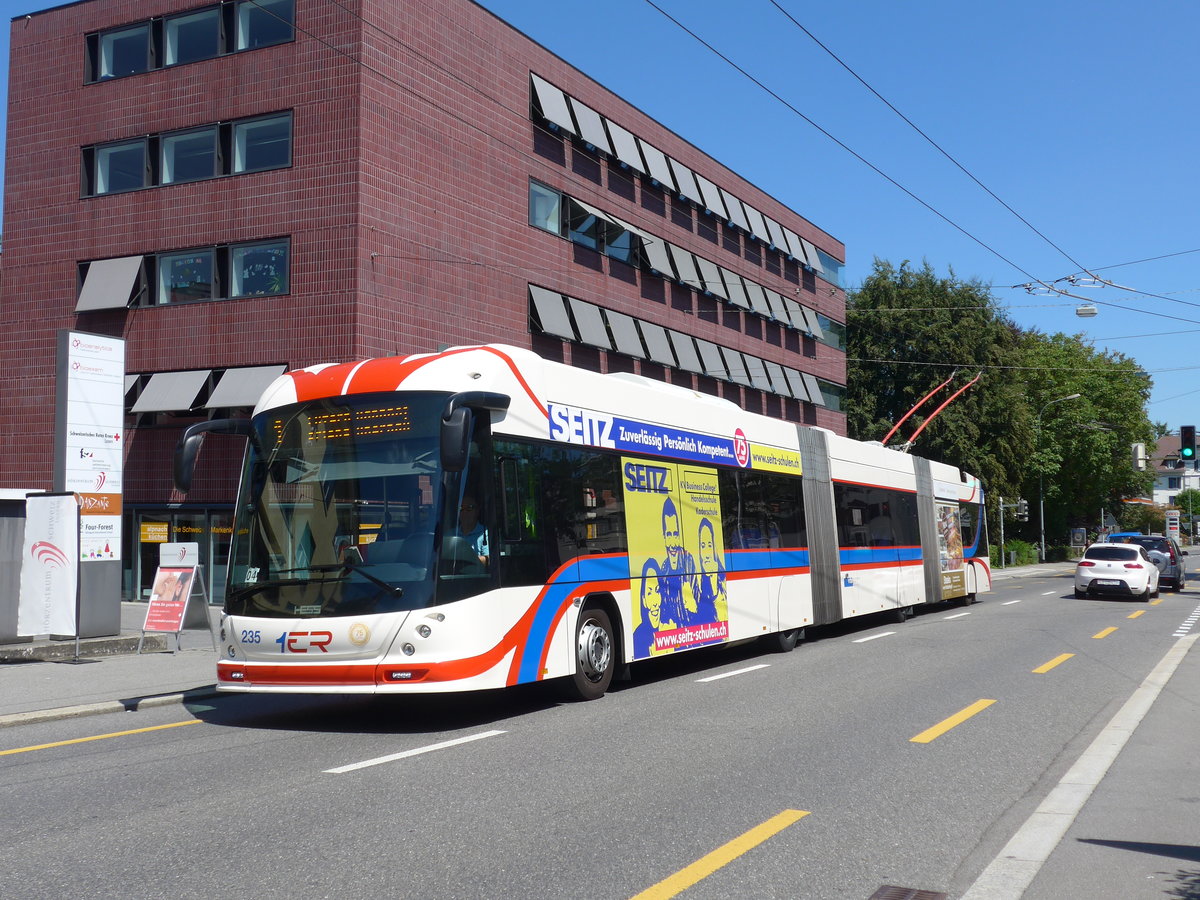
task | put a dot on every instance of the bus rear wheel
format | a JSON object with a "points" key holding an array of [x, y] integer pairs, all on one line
{"points": [[595, 656], [783, 641]]}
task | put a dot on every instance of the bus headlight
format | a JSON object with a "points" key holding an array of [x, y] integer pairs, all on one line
{"points": [[408, 649], [424, 630]]}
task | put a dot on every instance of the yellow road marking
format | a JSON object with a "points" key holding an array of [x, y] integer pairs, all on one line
{"points": [[1105, 633], [946, 724], [1156, 602], [97, 737], [1134, 615], [706, 865], [1057, 661]]}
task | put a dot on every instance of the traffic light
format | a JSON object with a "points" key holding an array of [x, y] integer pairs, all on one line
{"points": [[1022, 510], [1187, 443]]}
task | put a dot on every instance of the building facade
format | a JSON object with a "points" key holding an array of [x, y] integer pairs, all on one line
{"points": [[244, 187]]}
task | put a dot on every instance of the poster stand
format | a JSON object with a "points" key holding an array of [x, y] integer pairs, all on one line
{"points": [[171, 609]]}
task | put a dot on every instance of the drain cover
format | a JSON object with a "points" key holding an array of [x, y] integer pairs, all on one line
{"points": [[891, 892]]}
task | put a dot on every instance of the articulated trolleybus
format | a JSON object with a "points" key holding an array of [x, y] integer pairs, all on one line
{"points": [[482, 517]]}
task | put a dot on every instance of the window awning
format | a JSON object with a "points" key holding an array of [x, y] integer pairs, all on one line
{"points": [[625, 145], [714, 365], [814, 389], [778, 309], [657, 161], [758, 299], [592, 211], [813, 323], [712, 196], [591, 324], [625, 334], [810, 252], [736, 366], [656, 256], [550, 313], [686, 179], [736, 214], [796, 383], [758, 227], [710, 277], [775, 230], [552, 104], [778, 379], [685, 265], [243, 387], [657, 343], [171, 391], [685, 350], [591, 128], [109, 284], [735, 288], [795, 248], [758, 373]]}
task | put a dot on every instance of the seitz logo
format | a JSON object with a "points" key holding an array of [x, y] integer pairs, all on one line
{"points": [[48, 555], [304, 641]]}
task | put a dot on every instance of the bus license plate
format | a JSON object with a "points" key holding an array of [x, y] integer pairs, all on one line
{"points": [[1108, 582]]}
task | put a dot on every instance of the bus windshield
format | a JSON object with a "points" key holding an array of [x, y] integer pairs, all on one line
{"points": [[338, 508]]}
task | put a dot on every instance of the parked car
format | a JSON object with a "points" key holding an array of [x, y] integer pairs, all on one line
{"points": [[1124, 570], [1166, 554]]}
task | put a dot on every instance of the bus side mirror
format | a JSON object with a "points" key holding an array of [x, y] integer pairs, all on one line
{"points": [[456, 439], [188, 446]]}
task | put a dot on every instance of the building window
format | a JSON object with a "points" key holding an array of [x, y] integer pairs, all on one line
{"points": [[125, 51], [1174, 483], [260, 144], [185, 276], [120, 167], [188, 156], [257, 144], [258, 270], [545, 207], [583, 227], [261, 23], [230, 26], [192, 37]]}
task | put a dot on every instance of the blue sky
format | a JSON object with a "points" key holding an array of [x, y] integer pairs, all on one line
{"points": [[1077, 115]]}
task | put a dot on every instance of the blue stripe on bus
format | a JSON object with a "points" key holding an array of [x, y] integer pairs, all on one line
{"points": [[865, 556]]}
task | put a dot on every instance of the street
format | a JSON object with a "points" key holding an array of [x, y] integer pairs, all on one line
{"points": [[875, 754]]}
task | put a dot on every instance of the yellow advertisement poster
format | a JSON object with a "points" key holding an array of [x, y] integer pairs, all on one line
{"points": [[676, 556]]}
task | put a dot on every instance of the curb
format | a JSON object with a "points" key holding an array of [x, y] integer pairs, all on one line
{"points": [[133, 704], [45, 651]]}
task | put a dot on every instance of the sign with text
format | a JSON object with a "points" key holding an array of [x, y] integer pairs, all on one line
{"points": [[169, 598], [89, 441], [49, 597]]}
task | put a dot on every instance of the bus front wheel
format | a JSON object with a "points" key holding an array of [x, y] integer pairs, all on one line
{"points": [[595, 656]]}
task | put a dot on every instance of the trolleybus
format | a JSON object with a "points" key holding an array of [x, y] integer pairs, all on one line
{"points": [[482, 517]]}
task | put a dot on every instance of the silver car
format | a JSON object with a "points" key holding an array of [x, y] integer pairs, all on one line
{"points": [[1123, 570], [1166, 554]]}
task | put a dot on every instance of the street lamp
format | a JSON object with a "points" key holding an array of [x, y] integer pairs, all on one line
{"points": [[1041, 500]]}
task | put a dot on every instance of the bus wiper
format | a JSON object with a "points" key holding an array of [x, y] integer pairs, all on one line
{"points": [[351, 566]]}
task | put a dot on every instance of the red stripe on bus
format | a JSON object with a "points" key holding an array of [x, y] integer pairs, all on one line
{"points": [[297, 675]]}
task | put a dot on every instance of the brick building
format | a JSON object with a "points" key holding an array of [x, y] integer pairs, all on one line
{"points": [[246, 186]]}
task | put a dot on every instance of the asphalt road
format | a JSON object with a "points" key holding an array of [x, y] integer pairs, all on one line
{"points": [[793, 775]]}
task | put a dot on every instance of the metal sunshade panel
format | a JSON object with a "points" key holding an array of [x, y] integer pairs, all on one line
{"points": [[775, 230], [625, 333], [814, 390], [685, 265], [796, 383], [778, 308], [737, 214], [736, 364], [171, 391], [711, 196], [552, 104], [657, 256], [625, 146], [735, 288], [810, 253], [591, 127], [686, 179], [713, 362], [758, 372], [814, 324], [657, 161], [590, 320], [778, 380], [242, 387], [758, 227], [795, 248], [685, 350], [758, 299], [710, 277], [109, 284], [657, 343], [551, 313]]}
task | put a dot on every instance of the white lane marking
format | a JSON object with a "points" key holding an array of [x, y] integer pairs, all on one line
{"points": [[1048, 593], [872, 637], [416, 751], [731, 674], [1009, 602], [956, 616], [1010, 873], [1188, 624]]}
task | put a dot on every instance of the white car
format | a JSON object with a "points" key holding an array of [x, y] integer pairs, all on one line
{"points": [[1121, 569]]}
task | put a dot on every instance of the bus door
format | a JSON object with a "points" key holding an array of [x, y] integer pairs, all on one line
{"points": [[867, 548]]}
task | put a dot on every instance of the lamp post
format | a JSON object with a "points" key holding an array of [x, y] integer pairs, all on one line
{"points": [[1041, 498]]}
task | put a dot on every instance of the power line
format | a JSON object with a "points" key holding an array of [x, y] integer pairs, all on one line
{"points": [[930, 140]]}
